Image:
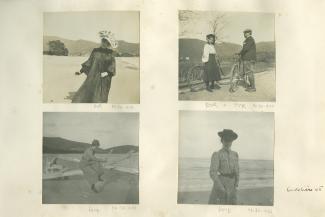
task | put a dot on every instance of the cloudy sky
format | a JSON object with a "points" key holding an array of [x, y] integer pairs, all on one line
{"points": [[198, 25], [86, 25], [199, 133], [111, 129]]}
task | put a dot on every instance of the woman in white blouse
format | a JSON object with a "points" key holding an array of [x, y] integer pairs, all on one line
{"points": [[211, 69]]}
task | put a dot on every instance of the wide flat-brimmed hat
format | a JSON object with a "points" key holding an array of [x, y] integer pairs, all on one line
{"points": [[95, 142], [211, 36], [247, 30], [109, 36], [228, 135]]}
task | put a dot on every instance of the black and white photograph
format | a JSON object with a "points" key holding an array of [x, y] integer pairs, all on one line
{"points": [[226, 56], [226, 158], [90, 158], [91, 57]]}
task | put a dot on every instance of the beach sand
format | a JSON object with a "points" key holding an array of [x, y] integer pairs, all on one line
{"points": [[60, 82], [254, 197], [120, 188], [265, 91]]}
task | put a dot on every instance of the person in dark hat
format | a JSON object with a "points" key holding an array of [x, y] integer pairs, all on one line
{"points": [[224, 171], [91, 165], [211, 68], [248, 56]]}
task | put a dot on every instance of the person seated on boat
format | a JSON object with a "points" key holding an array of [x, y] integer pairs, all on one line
{"points": [[91, 166]]}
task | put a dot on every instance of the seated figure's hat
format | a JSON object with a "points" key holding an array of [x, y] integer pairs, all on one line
{"points": [[95, 142]]}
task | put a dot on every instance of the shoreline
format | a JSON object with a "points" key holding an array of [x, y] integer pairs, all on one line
{"points": [[120, 188], [262, 196]]}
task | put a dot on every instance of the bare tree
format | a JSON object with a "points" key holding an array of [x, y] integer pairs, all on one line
{"points": [[215, 21], [217, 25]]}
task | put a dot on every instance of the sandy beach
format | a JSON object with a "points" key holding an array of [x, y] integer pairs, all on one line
{"points": [[265, 86], [120, 188], [60, 82], [255, 197]]}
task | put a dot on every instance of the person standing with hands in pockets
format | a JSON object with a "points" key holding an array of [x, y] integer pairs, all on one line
{"points": [[248, 56], [224, 171]]}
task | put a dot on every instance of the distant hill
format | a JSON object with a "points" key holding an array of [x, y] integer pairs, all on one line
{"points": [[57, 145], [268, 46], [84, 47], [193, 48]]}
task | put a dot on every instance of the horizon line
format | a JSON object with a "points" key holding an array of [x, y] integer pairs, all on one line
{"points": [[83, 142], [80, 39], [239, 158]]}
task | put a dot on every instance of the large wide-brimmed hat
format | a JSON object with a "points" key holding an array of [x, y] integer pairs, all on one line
{"points": [[109, 36], [228, 135], [95, 142]]}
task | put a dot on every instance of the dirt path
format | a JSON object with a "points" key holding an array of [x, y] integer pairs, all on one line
{"points": [[265, 85]]}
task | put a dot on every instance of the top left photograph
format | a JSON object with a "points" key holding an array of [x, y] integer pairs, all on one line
{"points": [[91, 57]]}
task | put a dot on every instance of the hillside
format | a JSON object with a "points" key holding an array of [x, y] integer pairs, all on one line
{"points": [[84, 47], [193, 48], [57, 145]]}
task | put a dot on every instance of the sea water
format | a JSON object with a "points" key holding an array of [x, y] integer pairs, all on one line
{"points": [[122, 160], [194, 174]]}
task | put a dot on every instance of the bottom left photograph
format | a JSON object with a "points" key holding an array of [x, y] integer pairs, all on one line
{"points": [[90, 158]]}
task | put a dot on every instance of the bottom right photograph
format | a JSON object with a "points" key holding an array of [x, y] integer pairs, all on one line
{"points": [[226, 158]]}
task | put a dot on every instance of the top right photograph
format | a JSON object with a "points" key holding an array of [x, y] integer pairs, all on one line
{"points": [[227, 56]]}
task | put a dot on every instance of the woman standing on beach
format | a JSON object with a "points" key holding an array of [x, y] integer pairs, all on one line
{"points": [[211, 69], [91, 166], [99, 68], [224, 171]]}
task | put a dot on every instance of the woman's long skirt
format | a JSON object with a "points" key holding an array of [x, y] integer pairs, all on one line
{"points": [[226, 198], [211, 70], [95, 89]]}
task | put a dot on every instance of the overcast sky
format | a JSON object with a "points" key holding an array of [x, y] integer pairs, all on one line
{"points": [[111, 129], [86, 25], [199, 133], [262, 25]]}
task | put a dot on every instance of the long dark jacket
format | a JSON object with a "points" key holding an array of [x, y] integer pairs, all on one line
{"points": [[248, 51], [95, 88]]}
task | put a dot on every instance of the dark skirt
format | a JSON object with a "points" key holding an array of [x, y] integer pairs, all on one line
{"points": [[211, 70], [95, 89]]}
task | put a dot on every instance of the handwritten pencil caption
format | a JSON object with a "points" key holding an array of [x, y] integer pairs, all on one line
{"points": [[242, 106], [306, 189]]}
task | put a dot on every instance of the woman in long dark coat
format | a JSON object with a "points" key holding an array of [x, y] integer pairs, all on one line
{"points": [[211, 69], [99, 68]]}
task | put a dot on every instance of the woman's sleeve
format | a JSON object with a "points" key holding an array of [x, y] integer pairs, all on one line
{"points": [[85, 67], [205, 56], [237, 170], [112, 67], [214, 166]]}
